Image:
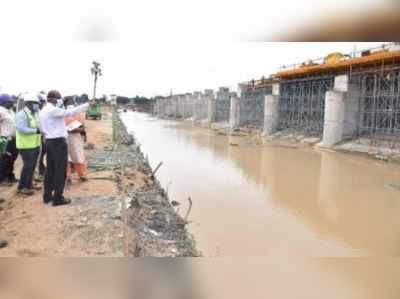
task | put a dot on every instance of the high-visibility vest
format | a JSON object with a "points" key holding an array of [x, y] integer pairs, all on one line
{"points": [[29, 141]]}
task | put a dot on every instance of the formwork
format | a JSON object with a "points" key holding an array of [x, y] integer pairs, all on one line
{"points": [[222, 104], [222, 109], [375, 75], [302, 103], [379, 103], [252, 101]]}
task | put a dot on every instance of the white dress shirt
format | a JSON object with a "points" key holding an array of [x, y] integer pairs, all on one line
{"points": [[7, 123], [52, 121]]}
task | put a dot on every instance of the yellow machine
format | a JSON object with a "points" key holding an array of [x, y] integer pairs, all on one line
{"points": [[334, 58]]}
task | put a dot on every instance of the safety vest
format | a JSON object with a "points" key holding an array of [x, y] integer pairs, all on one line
{"points": [[29, 141]]}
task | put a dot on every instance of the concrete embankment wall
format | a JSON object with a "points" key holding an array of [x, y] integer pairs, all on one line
{"points": [[158, 231]]}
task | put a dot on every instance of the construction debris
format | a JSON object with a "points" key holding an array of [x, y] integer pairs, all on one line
{"points": [[159, 231], [3, 243]]}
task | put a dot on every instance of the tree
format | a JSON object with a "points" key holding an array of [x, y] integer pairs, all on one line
{"points": [[96, 72]]}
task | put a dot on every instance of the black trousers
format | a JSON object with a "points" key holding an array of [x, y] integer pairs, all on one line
{"points": [[29, 159], [56, 172], [7, 162], [42, 167]]}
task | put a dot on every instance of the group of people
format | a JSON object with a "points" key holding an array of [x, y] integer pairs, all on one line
{"points": [[46, 126]]}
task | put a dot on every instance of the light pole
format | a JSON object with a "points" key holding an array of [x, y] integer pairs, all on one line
{"points": [[96, 72]]}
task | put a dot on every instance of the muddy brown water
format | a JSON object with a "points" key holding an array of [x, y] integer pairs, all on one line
{"points": [[296, 223], [260, 200]]}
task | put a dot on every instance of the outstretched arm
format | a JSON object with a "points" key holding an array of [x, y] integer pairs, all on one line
{"points": [[60, 112]]}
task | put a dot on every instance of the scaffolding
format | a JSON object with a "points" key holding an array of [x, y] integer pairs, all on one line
{"points": [[302, 104], [379, 104]]}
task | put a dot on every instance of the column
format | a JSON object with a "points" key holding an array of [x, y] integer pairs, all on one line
{"points": [[341, 112], [211, 110], [271, 111], [234, 115]]}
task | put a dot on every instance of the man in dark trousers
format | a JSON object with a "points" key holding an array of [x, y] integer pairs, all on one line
{"points": [[28, 140], [42, 167], [7, 137], [55, 132]]}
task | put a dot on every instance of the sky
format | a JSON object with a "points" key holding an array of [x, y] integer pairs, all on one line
{"points": [[152, 47]]}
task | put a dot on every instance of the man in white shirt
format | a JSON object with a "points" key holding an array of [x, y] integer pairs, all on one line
{"points": [[7, 134], [55, 132]]}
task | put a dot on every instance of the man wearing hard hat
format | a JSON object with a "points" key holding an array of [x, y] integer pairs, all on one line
{"points": [[28, 141], [8, 150]]}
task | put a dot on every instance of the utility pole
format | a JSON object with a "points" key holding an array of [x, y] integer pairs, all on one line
{"points": [[96, 72]]}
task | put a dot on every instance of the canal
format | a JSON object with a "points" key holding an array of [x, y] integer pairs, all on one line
{"points": [[252, 199]]}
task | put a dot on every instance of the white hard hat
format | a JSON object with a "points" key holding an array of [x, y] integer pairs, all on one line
{"points": [[31, 97]]}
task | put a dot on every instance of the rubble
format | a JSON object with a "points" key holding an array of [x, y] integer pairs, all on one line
{"points": [[392, 186], [159, 231], [111, 160], [296, 136], [379, 151], [3, 244]]}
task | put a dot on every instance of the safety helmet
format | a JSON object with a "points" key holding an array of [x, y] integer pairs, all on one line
{"points": [[31, 97], [5, 98]]}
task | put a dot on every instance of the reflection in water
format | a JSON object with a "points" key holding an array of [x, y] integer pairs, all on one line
{"points": [[276, 207], [261, 200]]}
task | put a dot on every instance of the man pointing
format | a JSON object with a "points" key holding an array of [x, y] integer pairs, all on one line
{"points": [[55, 132]]}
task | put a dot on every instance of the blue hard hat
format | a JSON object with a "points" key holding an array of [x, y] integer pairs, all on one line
{"points": [[5, 98]]}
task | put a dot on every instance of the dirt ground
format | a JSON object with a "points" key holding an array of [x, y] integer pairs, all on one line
{"points": [[92, 225]]}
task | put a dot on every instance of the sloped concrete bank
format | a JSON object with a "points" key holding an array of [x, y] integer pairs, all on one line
{"points": [[158, 230]]}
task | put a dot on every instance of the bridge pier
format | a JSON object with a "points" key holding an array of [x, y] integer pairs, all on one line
{"points": [[271, 111], [341, 111]]}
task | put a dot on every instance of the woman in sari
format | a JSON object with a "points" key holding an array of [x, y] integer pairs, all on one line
{"points": [[76, 140]]}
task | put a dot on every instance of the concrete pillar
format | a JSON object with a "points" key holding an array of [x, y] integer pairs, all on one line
{"points": [[158, 108], [341, 112], [212, 105], [189, 105], [196, 109], [271, 111], [183, 104], [234, 116], [175, 101]]}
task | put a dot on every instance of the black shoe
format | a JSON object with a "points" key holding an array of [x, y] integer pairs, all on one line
{"points": [[61, 202], [3, 243], [47, 200]]}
